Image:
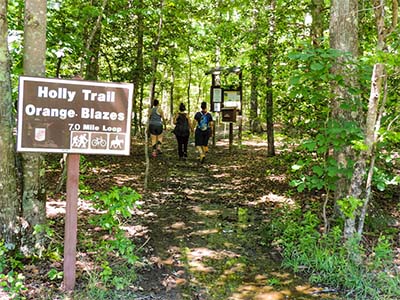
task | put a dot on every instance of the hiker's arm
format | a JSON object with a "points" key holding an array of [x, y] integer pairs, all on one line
{"points": [[194, 123], [190, 123], [163, 118]]}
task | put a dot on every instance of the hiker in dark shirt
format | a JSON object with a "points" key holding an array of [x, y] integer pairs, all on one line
{"points": [[156, 124], [182, 130], [203, 131]]}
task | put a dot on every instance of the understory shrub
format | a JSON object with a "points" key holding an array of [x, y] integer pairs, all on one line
{"points": [[115, 207], [328, 259]]}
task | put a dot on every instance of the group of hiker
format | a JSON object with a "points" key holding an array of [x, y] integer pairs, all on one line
{"points": [[202, 127]]}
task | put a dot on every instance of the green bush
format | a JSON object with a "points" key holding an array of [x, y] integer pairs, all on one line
{"points": [[116, 207], [328, 259]]}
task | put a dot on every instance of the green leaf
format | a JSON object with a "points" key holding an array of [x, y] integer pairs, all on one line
{"points": [[318, 170], [315, 66], [310, 145], [301, 187], [295, 80]]}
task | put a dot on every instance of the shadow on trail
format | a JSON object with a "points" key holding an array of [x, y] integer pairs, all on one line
{"points": [[205, 222]]}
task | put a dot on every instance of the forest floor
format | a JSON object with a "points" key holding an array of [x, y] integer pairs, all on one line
{"points": [[199, 227]]}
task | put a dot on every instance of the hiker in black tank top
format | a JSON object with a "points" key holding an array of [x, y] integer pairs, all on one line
{"points": [[156, 124]]}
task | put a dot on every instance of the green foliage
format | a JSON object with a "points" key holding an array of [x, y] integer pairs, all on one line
{"points": [[329, 261], [54, 250], [318, 170], [11, 281], [349, 205], [116, 207], [54, 274], [117, 204]]}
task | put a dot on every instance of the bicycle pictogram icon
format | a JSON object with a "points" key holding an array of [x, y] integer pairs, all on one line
{"points": [[98, 142]]}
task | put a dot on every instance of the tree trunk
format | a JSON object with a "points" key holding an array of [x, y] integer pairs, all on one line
{"points": [[154, 59], [344, 36], [138, 70], [9, 198], [33, 196], [269, 96], [93, 41], [255, 122], [317, 26], [171, 95], [377, 101]]}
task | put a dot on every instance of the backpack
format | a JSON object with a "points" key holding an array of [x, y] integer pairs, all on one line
{"points": [[182, 126], [203, 123]]}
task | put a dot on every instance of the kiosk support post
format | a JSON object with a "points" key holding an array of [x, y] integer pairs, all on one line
{"points": [[230, 135]]}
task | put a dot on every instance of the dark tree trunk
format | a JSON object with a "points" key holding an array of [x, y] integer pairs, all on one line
{"points": [[10, 201]]}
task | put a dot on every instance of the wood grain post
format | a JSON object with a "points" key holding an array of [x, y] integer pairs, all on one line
{"points": [[71, 221]]}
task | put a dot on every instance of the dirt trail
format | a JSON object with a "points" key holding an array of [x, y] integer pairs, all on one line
{"points": [[204, 226]]}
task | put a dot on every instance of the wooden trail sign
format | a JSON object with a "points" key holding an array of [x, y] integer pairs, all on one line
{"points": [[73, 116]]}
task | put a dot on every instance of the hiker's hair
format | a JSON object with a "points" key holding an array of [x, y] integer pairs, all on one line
{"points": [[203, 105], [155, 102], [182, 107]]}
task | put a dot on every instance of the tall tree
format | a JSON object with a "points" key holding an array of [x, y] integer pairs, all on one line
{"points": [[34, 196], [137, 72], [376, 108], [317, 25], [255, 71], [9, 198], [269, 100], [156, 50], [93, 40]]}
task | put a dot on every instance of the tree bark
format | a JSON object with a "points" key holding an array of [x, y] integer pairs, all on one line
{"points": [[344, 37], [154, 59], [93, 42], [317, 25], [34, 196], [138, 70], [9, 198], [270, 97], [254, 81]]}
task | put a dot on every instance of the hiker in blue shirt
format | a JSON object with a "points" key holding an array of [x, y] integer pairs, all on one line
{"points": [[203, 131], [182, 130], [156, 124]]}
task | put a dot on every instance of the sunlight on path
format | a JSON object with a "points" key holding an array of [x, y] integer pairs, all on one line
{"points": [[210, 229]]}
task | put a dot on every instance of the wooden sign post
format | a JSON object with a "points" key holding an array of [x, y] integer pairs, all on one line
{"points": [[71, 221], [73, 117]]}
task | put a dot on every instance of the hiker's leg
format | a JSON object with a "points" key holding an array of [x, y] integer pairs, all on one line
{"points": [[185, 145], [159, 142], [200, 151], [180, 146], [153, 145], [153, 141]]}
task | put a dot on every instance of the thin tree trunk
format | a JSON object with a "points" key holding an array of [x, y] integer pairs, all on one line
{"points": [[154, 60], [9, 198], [34, 194], [254, 81], [138, 70], [189, 79], [317, 26], [93, 46], [269, 97], [171, 94]]}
